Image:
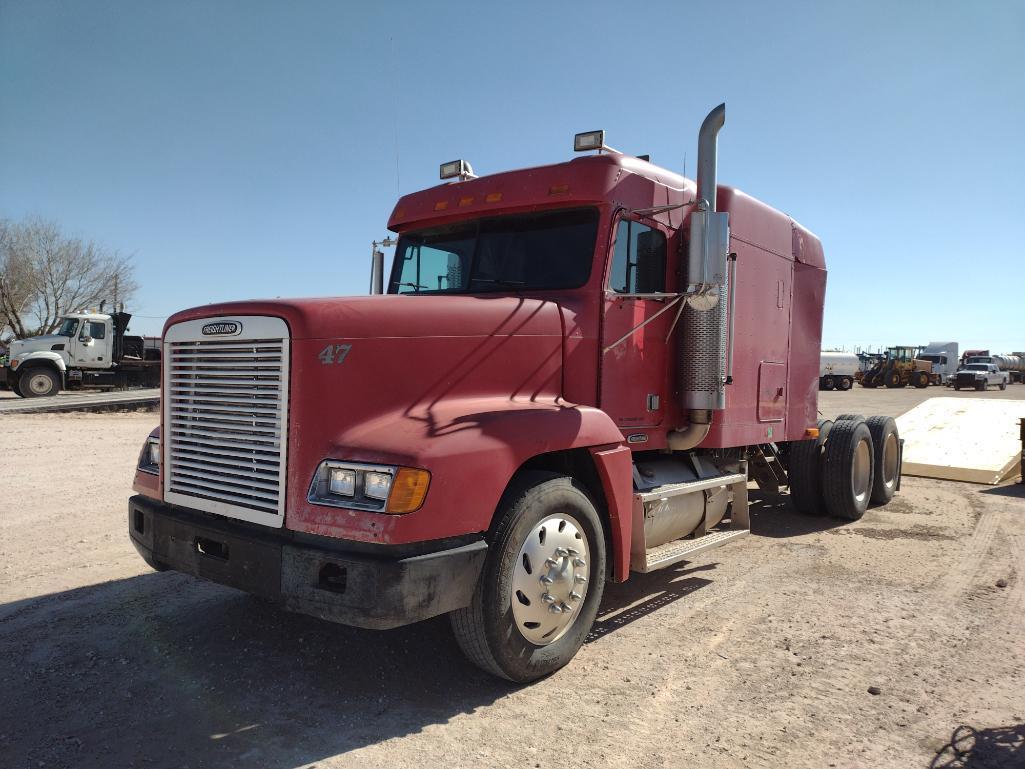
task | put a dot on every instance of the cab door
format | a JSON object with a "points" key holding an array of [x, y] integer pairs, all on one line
{"points": [[637, 316], [93, 349]]}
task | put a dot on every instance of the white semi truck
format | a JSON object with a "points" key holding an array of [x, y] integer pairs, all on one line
{"points": [[88, 349]]}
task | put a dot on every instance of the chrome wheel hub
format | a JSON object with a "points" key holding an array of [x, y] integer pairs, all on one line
{"points": [[549, 581]]}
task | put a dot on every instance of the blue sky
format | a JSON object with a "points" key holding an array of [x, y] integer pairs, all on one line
{"points": [[244, 149]]}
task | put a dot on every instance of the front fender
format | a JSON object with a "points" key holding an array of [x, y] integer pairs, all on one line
{"points": [[43, 355], [471, 447]]}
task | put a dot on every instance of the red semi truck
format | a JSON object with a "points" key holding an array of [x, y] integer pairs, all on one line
{"points": [[572, 374]]}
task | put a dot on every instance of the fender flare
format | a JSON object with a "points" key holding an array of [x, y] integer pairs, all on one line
{"points": [[472, 447], [47, 357]]}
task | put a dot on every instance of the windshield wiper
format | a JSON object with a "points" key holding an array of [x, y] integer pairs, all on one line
{"points": [[415, 286], [500, 282]]}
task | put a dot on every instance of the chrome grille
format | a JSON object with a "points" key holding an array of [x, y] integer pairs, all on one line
{"points": [[225, 423]]}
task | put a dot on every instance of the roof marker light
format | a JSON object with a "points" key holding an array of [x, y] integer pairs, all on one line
{"points": [[457, 168]]}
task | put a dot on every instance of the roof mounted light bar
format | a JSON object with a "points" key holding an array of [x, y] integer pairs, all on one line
{"points": [[457, 168], [591, 140]]}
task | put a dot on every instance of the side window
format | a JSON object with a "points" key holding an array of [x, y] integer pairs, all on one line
{"points": [[97, 330], [639, 260]]}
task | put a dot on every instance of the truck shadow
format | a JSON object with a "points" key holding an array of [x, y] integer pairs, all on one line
{"points": [[969, 748], [772, 515], [166, 671], [627, 602]]}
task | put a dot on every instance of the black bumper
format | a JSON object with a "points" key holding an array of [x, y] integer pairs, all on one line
{"points": [[377, 590]]}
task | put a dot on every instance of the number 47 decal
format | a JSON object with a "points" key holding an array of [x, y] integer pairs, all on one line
{"points": [[334, 353]]}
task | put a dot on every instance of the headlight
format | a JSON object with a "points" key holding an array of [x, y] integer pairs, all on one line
{"points": [[14, 363], [378, 488], [149, 459]]}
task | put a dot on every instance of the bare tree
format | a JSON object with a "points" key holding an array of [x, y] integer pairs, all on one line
{"points": [[45, 275]]}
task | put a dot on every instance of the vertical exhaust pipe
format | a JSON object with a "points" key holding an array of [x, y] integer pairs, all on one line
{"points": [[708, 155], [376, 271], [702, 362]]}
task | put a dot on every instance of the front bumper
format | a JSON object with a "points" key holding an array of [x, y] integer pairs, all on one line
{"points": [[379, 590]]}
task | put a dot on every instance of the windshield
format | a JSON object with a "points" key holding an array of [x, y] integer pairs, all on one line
{"points": [[68, 327], [551, 250]]}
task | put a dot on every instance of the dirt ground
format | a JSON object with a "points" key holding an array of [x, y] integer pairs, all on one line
{"points": [[759, 654]]}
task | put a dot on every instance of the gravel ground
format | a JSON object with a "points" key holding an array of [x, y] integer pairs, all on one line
{"points": [[759, 654]]}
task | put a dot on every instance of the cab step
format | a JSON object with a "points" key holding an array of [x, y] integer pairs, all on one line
{"points": [[679, 550]]}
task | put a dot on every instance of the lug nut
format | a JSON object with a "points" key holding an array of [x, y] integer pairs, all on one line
{"points": [[566, 609], [551, 563], [574, 595], [561, 552], [579, 562], [571, 551], [579, 578], [555, 609], [546, 580], [548, 598]]}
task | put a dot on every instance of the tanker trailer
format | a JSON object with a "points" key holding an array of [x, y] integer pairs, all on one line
{"points": [[837, 370]]}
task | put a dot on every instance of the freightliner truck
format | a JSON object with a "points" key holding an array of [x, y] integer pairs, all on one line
{"points": [[571, 375], [88, 349]]}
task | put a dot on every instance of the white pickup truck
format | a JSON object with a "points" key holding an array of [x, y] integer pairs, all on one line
{"points": [[980, 376]]}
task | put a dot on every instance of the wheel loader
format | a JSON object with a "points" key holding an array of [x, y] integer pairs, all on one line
{"points": [[901, 367]]}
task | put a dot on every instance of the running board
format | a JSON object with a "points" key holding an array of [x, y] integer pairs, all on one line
{"points": [[703, 537], [673, 552]]}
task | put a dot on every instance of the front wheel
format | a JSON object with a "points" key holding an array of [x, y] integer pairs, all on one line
{"points": [[827, 383], [38, 383], [1003, 385], [844, 383], [540, 588]]}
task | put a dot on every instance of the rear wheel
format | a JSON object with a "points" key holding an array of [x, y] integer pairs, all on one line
{"points": [[828, 383], [886, 464], [543, 580], [804, 471], [38, 383], [847, 470], [844, 383]]}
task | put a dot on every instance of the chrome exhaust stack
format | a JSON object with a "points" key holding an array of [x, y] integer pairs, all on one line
{"points": [[703, 362]]}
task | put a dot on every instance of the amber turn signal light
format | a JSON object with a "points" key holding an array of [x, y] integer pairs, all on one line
{"points": [[811, 432], [408, 490]]}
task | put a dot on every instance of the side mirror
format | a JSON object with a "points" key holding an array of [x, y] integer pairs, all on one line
{"points": [[85, 339], [376, 272]]}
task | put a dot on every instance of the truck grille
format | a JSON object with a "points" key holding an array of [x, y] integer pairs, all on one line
{"points": [[225, 423]]}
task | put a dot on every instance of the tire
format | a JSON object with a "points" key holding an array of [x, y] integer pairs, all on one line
{"points": [[804, 471], [828, 383], [870, 382], [847, 470], [845, 383], [980, 385], [851, 417], [1003, 385], [892, 379], [957, 388], [39, 382], [920, 380], [491, 630], [886, 462], [16, 389]]}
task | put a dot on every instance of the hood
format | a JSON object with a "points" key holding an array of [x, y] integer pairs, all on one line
{"points": [[36, 343], [395, 316]]}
